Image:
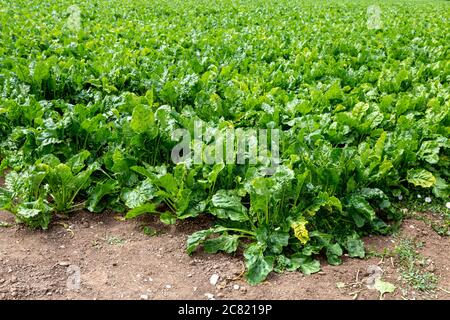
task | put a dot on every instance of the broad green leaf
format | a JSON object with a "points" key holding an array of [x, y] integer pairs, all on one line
{"points": [[333, 252], [142, 209], [310, 267], [226, 243], [136, 197], [360, 210], [227, 205], [441, 189], [100, 191], [429, 151], [168, 218], [76, 163], [306, 264], [324, 200], [355, 248], [28, 213], [197, 238], [143, 120], [258, 266], [217, 168], [421, 177], [169, 183], [276, 241]]}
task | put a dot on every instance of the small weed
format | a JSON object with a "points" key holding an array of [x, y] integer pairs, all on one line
{"points": [[438, 218], [372, 253], [412, 265], [149, 231], [114, 240]]}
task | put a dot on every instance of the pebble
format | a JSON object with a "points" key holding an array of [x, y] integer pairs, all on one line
{"points": [[431, 268], [64, 263], [236, 287], [209, 296], [144, 297], [168, 286], [214, 279]]}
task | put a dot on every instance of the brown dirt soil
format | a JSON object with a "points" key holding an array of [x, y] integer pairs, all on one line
{"points": [[117, 260]]}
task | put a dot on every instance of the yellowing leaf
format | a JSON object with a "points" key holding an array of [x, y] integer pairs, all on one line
{"points": [[300, 231], [384, 287]]}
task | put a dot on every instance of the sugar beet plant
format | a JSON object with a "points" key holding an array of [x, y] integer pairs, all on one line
{"points": [[91, 95]]}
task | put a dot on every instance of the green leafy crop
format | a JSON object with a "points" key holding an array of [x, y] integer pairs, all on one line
{"points": [[91, 96]]}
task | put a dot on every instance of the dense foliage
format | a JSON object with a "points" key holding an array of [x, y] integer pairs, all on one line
{"points": [[87, 113]]}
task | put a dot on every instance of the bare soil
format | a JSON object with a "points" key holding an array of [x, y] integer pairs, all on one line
{"points": [[116, 260]]}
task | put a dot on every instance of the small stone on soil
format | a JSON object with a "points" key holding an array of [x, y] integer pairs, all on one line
{"points": [[236, 287], [431, 268], [144, 297], [209, 296], [214, 279]]}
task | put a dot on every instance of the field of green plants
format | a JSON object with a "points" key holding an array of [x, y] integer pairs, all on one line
{"points": [[92, 91]]}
